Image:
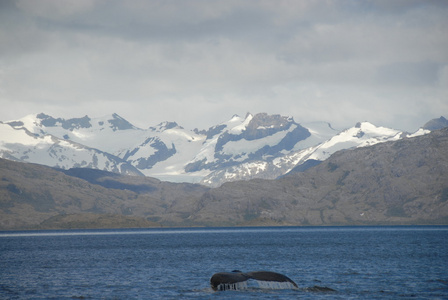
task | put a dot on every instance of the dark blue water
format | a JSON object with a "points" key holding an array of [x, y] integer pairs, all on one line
{"points": [[356, 262]]}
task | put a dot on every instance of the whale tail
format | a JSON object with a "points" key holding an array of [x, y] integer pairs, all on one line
{"points": [[237, 280]]}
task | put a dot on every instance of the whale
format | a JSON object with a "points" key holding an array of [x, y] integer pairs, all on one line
{"points": [[237, 280]]}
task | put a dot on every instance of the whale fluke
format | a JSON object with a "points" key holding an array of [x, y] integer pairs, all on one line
{"points": [[237, 280], [270, 276]]}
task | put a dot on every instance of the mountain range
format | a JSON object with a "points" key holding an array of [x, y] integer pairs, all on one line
{"points": [[401, 181], [243, 148]]}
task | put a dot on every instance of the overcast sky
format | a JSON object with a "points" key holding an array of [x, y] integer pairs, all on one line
{"points": [[200, 62]]}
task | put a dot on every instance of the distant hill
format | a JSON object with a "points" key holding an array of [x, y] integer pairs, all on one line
{"points": [[35, 196], [396, 182]]}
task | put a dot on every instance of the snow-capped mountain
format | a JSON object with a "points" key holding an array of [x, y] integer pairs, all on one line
{"points": [[160, 150], [245, 148], [19, 144], [254, 146], [241, 140], [361, 135]]}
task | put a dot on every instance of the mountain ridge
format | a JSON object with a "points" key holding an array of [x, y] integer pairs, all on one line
{"points": [[391, 183], [256, 146]]}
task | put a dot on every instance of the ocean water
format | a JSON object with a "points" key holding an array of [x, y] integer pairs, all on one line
{"points": [[325, 262]]}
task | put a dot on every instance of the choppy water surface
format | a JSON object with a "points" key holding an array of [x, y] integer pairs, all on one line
{"points": [[356, 262]]}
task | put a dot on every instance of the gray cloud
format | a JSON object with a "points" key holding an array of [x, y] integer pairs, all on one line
{"points": [[199, 62]]}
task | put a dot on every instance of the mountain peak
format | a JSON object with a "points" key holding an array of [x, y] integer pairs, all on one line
{"points": [[372, 130], [436, 124], [119, 123], [263, 120], [364, 124], [248, 115], [165, 126]]}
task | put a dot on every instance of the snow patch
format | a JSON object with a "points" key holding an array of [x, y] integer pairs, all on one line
{"points": [[240, 128]]}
